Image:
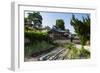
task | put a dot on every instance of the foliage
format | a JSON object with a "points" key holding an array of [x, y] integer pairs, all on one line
{"points": [[84, 53], [47, 28], [69, 45], [76, 53], [67, 30], [35, 36], [36, 47], [34, 19], [60, 24], [27, 28], [73, 52], [82, 28]]}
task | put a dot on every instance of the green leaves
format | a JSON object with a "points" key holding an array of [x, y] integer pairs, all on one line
{"points": [[82, 28], [76, 53], [34, 19], [60, 24], [36, 36]]}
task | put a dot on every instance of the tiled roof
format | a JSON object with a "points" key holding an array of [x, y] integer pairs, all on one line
{"points": [[58, 30]]}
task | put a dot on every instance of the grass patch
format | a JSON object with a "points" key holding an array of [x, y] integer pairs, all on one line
{"points": [[76, 53], [36, 48]]}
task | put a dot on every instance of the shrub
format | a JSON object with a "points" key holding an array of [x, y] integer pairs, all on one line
{"points": [[37, 36]]}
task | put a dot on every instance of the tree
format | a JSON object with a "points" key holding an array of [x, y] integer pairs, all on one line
{"points": [[25, 21], [35, 19], [47, 28], [67, 30], [82, 28], [60, 24]]}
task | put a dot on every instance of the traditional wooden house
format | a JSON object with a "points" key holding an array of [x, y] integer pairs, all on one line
{"points": [[58, 34]]}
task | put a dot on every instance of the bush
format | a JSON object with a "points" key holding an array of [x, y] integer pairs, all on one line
{"points": [[34, 36], [27, 28]]}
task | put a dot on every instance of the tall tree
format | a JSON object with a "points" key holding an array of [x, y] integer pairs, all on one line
{"points": [[35, 19], [60, 24], [82, 28]]}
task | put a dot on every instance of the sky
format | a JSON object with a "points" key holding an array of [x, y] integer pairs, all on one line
{"points": [[49, 18]]}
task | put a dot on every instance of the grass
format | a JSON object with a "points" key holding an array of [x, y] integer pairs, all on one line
{"points": [[76, 53], [36, 47], [39, 42]]}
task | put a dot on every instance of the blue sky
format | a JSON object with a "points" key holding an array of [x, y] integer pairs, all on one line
{"points": [[49, 18]]}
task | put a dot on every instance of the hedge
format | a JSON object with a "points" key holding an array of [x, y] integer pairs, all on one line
{"points": [[37, 36]]}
